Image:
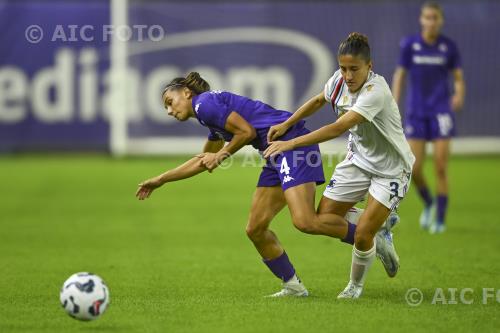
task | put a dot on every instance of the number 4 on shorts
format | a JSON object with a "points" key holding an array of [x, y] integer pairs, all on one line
{"points": [[284, 166]]}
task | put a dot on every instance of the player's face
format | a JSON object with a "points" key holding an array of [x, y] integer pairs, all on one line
{"points": [[431, 21], [177, 102], [354, 70]]}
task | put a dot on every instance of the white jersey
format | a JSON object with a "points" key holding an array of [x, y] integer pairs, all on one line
{"points": [[377, 145]]}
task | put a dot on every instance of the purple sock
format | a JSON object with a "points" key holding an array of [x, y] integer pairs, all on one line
{"points": [[442, 204], [351, 229], [425, 195], [281, 267]]}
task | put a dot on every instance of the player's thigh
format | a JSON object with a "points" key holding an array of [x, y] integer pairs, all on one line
{"points": [[348, 185], [299, 166], [418, 148], [330, 206], [441, 154], [372, 218], [390, 191], [301, 202], [267, 202]]}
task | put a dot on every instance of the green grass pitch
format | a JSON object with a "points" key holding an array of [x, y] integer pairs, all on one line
{"points": [[181, 262]]}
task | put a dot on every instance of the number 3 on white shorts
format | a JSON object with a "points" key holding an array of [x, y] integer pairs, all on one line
{"points": [[284, 166], [394, 190]]}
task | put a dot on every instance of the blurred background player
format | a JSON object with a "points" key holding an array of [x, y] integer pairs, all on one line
{"points": [[289, 179], [429, 57], [378, 162]]}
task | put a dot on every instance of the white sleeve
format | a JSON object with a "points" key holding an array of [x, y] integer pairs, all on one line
{"points": [[330, 85], [370, 102]]}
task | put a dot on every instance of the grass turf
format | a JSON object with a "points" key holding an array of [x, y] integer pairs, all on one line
{"points": [[181, 262]]}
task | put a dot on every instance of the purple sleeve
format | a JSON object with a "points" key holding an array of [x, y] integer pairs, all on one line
{"points": [[454, 61], [213, 110], [405, 53]]}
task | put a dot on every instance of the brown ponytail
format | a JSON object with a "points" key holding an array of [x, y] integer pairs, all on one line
{"points": [[356, 44], [193, 81]]}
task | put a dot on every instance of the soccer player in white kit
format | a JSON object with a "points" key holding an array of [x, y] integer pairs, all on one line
{"points": [[379, 160]]}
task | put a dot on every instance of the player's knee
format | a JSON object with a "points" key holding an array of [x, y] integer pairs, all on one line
{"points": [[417, 172], [363, 238], [255, 230], [304, 224], [441, 171]]}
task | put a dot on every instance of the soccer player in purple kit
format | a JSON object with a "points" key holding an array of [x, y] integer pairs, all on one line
{"points": [[289, 179], [429, 57]]}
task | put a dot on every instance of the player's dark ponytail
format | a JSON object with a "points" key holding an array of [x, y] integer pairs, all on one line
{"points": [[193, 81], [356, 44]]}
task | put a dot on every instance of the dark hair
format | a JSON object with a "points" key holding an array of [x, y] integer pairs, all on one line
{"points": [[433, 5], [193, 81], [356, 44]]}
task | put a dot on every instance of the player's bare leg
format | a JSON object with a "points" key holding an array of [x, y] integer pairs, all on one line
{"points": [[418, 178], [441, 156], [364, 249], [327, 220], [267, 203], [384, 246], [345, 209], [301, 203]]}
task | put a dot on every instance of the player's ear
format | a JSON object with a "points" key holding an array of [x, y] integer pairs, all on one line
{"points": [[370, 65], [188, 93]]}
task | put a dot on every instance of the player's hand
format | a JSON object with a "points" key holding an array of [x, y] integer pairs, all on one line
{"points": [[457, 103], [277, 147], [147, 187], [211, 160], [276, 131]]}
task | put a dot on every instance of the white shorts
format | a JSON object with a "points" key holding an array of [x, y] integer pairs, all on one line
{"points": [[350, 183]]}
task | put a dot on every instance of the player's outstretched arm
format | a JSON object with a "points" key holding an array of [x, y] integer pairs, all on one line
{"points": [[322, 134], [309, 108], [189, 169]]}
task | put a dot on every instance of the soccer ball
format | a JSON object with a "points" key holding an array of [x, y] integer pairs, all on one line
{"points": [[84, 296]]}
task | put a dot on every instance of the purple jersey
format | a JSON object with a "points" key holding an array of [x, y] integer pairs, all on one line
{"points": [[429, 67], [292, 168], [212, 109]]}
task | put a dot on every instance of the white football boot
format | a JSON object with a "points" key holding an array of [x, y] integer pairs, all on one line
{"points": [[351, 291], [292, 288], [391, 221], [437, 228], [386, 252], [427, 216]]}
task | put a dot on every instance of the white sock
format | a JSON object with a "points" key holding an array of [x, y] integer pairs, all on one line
{"points": [[294, 280], [353, 215], [361, 262]]}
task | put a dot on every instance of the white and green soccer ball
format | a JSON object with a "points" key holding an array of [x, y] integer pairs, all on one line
{"points": [[84, 296]]}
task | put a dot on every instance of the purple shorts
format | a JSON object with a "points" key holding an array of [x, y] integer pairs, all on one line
{"points": [[294, 167], [438, 126]]}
